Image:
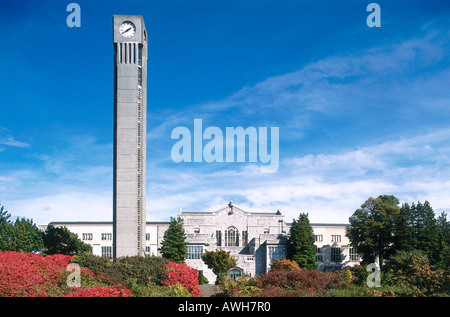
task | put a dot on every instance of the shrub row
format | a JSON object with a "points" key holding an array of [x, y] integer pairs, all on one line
{"points": [[31, 275], [145, 276], [283, 283]]}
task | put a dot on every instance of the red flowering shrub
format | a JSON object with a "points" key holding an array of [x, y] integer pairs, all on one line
{"points": [[309, 283], [182, 274], [24, 273], [29, 274]]}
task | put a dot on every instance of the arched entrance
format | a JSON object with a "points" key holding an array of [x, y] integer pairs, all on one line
{"points": [[235, 273]]}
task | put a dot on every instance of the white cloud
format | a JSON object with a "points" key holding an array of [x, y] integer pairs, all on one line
{"points": [[410, 164], [68, 206], [368, 94], [9, 141], [329, 186]]}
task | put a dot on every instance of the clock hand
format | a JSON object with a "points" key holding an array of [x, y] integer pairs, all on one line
{"points": [[127, 30]]}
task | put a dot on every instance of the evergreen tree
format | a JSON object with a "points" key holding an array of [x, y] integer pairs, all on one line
{"points": [[21, 236], [28, 238], [4, 216], [404, 230], [173, 246], [443, 261], [300, 243], [5, 229], [426, 231]]}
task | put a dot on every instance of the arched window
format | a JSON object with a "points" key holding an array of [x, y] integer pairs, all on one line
{"points": [[231, 237]]}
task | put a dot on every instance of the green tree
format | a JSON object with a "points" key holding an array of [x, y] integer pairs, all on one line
{"points": [[404, 229], [300, 243], [173, 246], [6, 227], [4, 216], [372, 226], [412, 269], [59, 240], [444, 242], [418, 229], [426, 231], [220, 262], [444, 228], [21, 236], [28, 238]]}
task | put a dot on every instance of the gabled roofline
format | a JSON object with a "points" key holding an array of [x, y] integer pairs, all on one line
{"points": [[231, 204]]}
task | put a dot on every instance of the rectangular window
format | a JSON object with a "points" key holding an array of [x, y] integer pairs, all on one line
{"points": [[140, 55], [106, 236], [87, 236], [194, 252], [353, 255], [125, 56], [139, 76], [318, 237], [107, 251], [335, 254], [335, 238], [219, 238], [319, 255], [147, 236], [277, 253]]}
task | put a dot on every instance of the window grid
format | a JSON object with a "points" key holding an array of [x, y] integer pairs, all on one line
{"points": [[336, 238], [277, 253], [107, 251], [335, 254], [106, 236], [194, 252], [87, 236]]}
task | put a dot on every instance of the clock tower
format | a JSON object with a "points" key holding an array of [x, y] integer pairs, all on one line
{"points": [[130, 125]]}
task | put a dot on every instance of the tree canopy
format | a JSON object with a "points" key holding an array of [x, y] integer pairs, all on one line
{"points": [[22, 235], [371, 229], [59, 240], [220, 262], [380, 228]]}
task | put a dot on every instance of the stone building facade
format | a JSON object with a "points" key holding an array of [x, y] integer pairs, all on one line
{"points": [[254, 239]]}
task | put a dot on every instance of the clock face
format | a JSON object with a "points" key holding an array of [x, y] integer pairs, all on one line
{"points": [[127, 29]]}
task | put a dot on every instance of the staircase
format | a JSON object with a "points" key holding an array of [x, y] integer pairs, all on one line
{"points": [[209, 290]]}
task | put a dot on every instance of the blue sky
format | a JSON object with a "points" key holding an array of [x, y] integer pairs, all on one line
{"points": [[361, 111]]}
